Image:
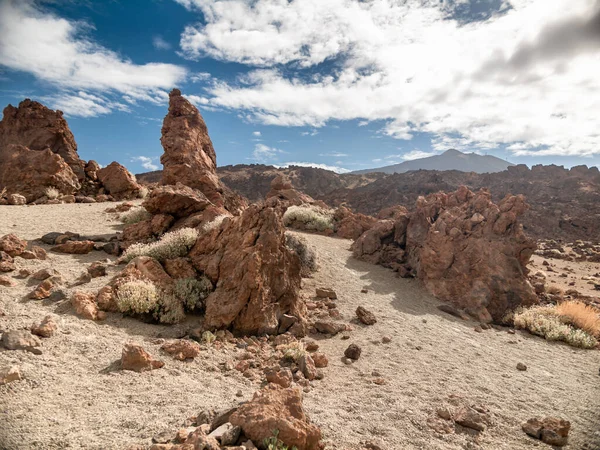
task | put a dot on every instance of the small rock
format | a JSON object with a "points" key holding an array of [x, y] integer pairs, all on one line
{"points": [[386, 339], [282, 377], [97, 269], [346, 361], [182, 349], [135, 358], [379, 381], [21, 340], [444, 413], [43, 290], [39, 252], [364, 291], [84, 278], [329, 327], [470, 418], [353, 352], [46, 328], [311, 346], [85, 305], [326, 293], [74, 247], [365, 316], [521, 366], [550, 430], [510, 331], [6, 281], [307, 367], [44, 274], [9, 374], [320, 360], [478, 329]]}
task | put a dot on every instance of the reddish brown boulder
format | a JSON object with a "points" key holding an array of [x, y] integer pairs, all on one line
{"points": [[466, 249], [43, 290], [106, 299], [74, 247], [365, 316], [180, 268], [29, 173], [258, 276], [350, 225], [551, 430], [276, 408], [12, 245], [135, 358], [85, 305], [176, 200], [189, 156], [282, 189], [6, 281], [38, 128], [118, 181], [91, 170], [46, 328]]}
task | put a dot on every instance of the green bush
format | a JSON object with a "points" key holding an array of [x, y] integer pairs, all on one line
{"points": [[308, 217], [192, 292], [171, 245]]}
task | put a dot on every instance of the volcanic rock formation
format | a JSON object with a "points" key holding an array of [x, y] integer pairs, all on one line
{"points": [[466, 249]]}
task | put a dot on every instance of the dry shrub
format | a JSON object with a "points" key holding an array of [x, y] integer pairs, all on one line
{"points": [[545, 321], [143, 192], [581, 316], [216, 222], [307, 255], [192, 292], [135, 215], [554, 290], [169, 309], [310, 217], [137, 297], [171, 245], [52, 193]]}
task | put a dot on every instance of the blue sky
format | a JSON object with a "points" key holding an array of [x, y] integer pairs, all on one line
{"points": [[338, 83]]}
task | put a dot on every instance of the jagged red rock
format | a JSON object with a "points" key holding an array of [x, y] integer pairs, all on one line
{"points": [[118, 181]]}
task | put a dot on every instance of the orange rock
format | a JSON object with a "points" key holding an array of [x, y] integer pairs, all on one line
{"points": [[74, 247], [85, 305], [182, 349], [46, 328], [135, 358], [12, 245]]}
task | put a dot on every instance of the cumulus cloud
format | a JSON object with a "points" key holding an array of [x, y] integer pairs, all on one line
{"points": [[265, 154], [146, 161], [83, 104], [160, 44], [256, 133], [416, 154], [336, 169], [60, 52], [520, 73]]}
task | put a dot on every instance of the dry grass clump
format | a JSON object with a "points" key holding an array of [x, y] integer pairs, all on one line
{"points": [[137, 296], [135, 215], [581, 316], [547, 322], [52, 193], [143, 192], [171, 245], [217, 221], [554, 290], [294, 351], [310, 217], [307, 255]]}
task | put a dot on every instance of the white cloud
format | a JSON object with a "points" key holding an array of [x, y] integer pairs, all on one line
{"points": [[83, 104], [200, 76], [336, 169], [363, 123], [417, 154], [265, 154], [59, 51], [523, 75], [312, 132], [334, 154], [256, 133], [146, 162], [160, 44]]}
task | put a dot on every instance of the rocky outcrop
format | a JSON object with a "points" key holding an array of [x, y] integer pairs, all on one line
{"points": [[276, 408], [189, 156], [39, 128], [466, 249], [350, 225], [118, 181], [256, 275], [30, 173], [282, 189]]}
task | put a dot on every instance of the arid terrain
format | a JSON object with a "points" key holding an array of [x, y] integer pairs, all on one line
{"points": [[73, 395]]}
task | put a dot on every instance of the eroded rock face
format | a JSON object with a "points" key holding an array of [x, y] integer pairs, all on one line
{"points": [[29, 172], [466, 249], [38, 128], [258, 276], [277, 408], [281, 188], [118, 181], [189, 156]]}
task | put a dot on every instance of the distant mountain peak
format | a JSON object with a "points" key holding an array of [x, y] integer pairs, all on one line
{"points": [[451, 159]]}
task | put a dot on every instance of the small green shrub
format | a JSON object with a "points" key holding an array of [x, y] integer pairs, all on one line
{"points": [[294, 352], [307, 255], [171, 245], [192, 292], [308, 217], [273, 443], [545, 321], [169, 309], [137, 297], [135, 215]]}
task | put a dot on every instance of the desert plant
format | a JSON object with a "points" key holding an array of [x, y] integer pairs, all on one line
{"points": [[171, 245], [137, 297], [52, 193], [192, 292], [307, 255], [294, 352], [143, 192], [554, 290], [208, 337], [580, 315], [308, 217], [545, 321], [217, 221], [273, 443], [135, 215], [169, 309]]}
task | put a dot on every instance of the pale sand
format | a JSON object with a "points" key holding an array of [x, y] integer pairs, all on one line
{"points": [[73, 396]]}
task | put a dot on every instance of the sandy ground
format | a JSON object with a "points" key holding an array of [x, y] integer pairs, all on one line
{"points": [[73, 395], [567, 275]]}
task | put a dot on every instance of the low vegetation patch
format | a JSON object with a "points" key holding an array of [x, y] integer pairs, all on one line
{"points": [[135, 215], [308, 217], [192, 292], [216, 222], [171, 245], [51, 193], [137, 297], [307, 255], [581, 316], [550, 323], [274, 443]]}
